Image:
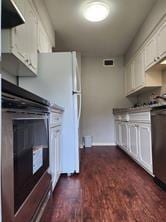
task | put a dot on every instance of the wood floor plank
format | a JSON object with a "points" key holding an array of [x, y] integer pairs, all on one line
{"points": [[110, 188]]}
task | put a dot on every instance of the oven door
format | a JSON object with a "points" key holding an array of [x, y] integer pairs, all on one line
{"points": [[25, 154]]}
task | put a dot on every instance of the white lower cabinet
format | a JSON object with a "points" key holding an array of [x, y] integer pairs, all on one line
{"points": [[145, 146], [134, 137], [118, 132], [124, 135], [133, 140], [55, 146]]}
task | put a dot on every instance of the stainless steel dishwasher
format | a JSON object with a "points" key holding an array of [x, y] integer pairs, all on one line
{"points": [[158, 117]]}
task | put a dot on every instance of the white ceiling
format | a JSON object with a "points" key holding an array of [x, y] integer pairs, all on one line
{"points": [[111, 37]]}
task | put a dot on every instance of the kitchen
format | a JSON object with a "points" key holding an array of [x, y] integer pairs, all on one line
{"points": [[67, 75]]}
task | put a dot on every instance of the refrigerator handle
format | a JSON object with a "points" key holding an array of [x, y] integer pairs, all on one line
{"points": [[79, 77], [79, 112], [77, 84]]}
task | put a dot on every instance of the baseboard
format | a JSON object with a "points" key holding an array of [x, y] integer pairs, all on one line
{"points": [[103, 144]]}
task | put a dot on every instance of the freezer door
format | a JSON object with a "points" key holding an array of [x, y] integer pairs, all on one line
{"points": [[76, 74]]}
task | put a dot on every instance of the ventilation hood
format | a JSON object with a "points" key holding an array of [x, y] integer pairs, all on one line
{"points": [[11, 16]]}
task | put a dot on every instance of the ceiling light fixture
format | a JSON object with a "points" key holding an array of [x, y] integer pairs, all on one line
{"points": [[163, 62], [96, 11]]}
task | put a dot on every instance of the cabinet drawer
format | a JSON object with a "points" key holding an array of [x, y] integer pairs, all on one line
{"points": [[140, 117], [122, 117], [55, 118]]}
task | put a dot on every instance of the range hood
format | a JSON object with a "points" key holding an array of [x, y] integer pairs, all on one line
{"points": [[11, 15]]}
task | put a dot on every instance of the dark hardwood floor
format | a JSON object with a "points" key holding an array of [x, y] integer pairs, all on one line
{"points": [[110, 188]]}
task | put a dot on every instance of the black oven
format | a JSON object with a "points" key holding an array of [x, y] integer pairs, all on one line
{"points": [[25, 150]]}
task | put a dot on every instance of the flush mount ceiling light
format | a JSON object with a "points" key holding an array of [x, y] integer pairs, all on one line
{"points": [[96, 11], [163, 62]]}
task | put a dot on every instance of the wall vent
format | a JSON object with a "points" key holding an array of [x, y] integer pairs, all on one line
{"points": [[108, 62]]}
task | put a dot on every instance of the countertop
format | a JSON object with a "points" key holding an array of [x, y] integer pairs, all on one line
{"points": [[56, 107], [117, 111]]}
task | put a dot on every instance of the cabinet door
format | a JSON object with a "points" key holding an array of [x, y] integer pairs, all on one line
{"points": [[19, 37], [118, 133], [161, 38], [44, 44], [129, 77], [53, 157], [139, 70], [145, 147], [124, 135], [55, 145], [133, 140], [31, 32], [150, 53]]}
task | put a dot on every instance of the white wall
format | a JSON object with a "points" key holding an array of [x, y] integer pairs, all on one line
{"points": [[156, 14], [103, 90]]}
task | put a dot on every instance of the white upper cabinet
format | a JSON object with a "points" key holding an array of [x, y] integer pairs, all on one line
{"points": [[20, 45], [161, 41], [129, 77], [139, 70], [31, 32], [155, 48], [143, 74], [44, 44], [150, 53]]}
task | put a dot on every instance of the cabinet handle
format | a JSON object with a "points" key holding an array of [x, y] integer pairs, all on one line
{"points": [[155, 59], [158, 57]]}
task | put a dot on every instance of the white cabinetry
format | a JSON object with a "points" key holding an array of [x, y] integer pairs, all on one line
{"points": [[134, 137], [124, 135], [133, 140], [145, 146], [31, 32], [150, 53], [118, 132], [44, 44], [139, 70], [129, 77], [136, 77], [19, 45], [144, 69], [161, 37], [55, 146], [155, 48]]}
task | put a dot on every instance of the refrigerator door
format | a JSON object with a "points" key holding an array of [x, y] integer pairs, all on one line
{"points": [[55, 83], [76, 74]]}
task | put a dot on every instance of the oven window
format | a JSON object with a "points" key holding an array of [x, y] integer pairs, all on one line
{"points": [[31, 156]]}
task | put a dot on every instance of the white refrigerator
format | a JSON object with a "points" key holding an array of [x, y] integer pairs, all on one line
{"points": [[59, 81]]}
